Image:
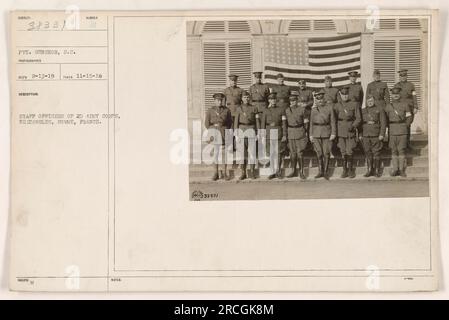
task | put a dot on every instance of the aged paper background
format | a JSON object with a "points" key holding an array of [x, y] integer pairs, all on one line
{"points": [[134, 247]]}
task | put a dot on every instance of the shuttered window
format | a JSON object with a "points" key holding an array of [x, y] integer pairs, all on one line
{"points": [[399, 24], [391, 55], [311, 25], [239, 26], [222, 58]]}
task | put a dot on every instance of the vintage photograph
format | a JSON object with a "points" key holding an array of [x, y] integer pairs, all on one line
{"points": [[308, 108]]}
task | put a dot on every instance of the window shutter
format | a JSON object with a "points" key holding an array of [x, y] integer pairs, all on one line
{"points": [[214, 57], [214, 27], [238, 26], [387, 24], [299, 25], [410, 58], [409, 24], [324, 25], [385, 60], [240, 62]]}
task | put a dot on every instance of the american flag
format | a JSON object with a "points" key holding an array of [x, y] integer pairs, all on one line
{"points": [[312, 59]]}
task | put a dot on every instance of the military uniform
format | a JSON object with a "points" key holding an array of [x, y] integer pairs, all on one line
{"points": [[348, 120], [233, 96], [355, 90], [400, 117], [282, 92], [408, 95], [331, 94], [217, 120], [379, 90], [297, 121], [246, 119], [273, 121], [259, 93], [322, 127], [373, 128]]}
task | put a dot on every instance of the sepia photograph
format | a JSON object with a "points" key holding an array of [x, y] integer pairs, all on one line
{"points": [[308, 108]]}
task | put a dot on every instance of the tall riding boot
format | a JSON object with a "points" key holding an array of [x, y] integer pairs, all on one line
{"points": [[301, 168], [226, 175], [215, 176], [351, 173], [279, 170], [377, 169], [401, 160], [326, 168], [252, 171], [243, 173], [344, 174], [320, 173], [369, 166], [293, 165], [394, 166]]}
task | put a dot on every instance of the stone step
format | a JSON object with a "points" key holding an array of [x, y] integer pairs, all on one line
{"points": [[309, 179], [207, 172]]}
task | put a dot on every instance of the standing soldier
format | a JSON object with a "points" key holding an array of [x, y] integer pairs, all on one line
{"points": [[330, 92], [372, 134], [297, 125], [259, 93], [348, 117], [273, 121], [408, 95], [355, 88], [282, 91], [246, 119], [305, 97], [323, 130], [400, 117], [379, 90], [218, 119], [233, 95]]}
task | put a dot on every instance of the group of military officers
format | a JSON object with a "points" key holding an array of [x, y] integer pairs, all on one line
{"points": [[295, 116]]}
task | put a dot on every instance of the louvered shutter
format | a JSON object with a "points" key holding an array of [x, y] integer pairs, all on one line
{"points": [[409, 24], [240, 62], [324, 25], [410, 58], [299, 25], [214, 57], [238, 26], [387, 24], [222, 58], [385, 60], [214, 27]]}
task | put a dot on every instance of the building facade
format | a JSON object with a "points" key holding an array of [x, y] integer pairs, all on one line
{"points": [[217, 48]]}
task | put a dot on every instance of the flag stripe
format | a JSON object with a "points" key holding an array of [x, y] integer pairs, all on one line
{"points": [[308, 80], [327, 39], [334, 55], [335, 46], [332, 63], [312, 72]]}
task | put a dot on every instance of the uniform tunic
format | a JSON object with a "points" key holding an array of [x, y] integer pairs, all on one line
{"points": [[273, 120], [259, 93], [220, 120], [297, 120], [246, 120], [374, 125], [379, 90], [233, 98], [348, 119], [408, 93], [399, 116], [322, 126], [283, 93], [331, 94], [356, 93]]}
